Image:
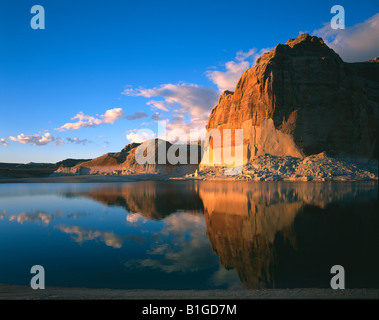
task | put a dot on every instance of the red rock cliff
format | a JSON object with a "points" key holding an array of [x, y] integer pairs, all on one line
{"points": [[301, 99]]}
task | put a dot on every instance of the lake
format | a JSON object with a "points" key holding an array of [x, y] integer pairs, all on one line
{"points": [[190, 234]]}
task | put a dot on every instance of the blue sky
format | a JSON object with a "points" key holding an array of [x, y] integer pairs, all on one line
{"points": [[141, 60]]}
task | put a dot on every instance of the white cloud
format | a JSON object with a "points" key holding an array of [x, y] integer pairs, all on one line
{"points": [[83, 121], [109, 117], [157, 104], [40, 140], [139, 136], [190, 98], [227, 80], [36, 139], [359, 42], [190, 104], [180, 131], [112, 115], [3, 142]]}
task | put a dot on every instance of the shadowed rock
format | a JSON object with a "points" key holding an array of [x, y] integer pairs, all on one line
{"points": [[302, 99]]}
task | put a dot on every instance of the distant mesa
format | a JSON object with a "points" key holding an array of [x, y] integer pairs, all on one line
{"points": [[33, 169], [125, 162], [70, 162]]}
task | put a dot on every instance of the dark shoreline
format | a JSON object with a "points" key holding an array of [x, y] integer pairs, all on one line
{"points": [[13, 292], [82, 179], [150, 177]]}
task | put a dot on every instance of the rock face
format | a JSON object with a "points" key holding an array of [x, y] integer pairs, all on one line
{"points": [[32, 169], [125, 162], [302, 99], [105, 164]]}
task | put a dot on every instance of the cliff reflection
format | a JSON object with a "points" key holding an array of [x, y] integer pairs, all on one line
{"points": [[288, 235], [153, 200], [274, 234]]}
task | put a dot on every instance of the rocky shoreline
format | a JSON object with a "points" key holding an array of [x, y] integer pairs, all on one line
{"points": [[319, 167], [316, 168]]}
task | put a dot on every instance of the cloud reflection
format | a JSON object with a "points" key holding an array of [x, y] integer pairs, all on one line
{"points": [[38, 216], [181, 246], [81, 235], [134, 218]]}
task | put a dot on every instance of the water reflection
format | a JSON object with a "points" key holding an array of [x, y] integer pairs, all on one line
{"points": [[191, 235], [37, 216], [275, 235], [181, 246], [81, 235], [151, 199], [280, 235]]}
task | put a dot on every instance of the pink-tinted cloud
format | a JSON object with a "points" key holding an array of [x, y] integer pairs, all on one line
{"points": [[139, 136], [83, 121], [3, 142], [191, 98], [158, 105], [359, 42], [227, 79], [36, 139], [40, 140], [112, 115], [189, 104]]}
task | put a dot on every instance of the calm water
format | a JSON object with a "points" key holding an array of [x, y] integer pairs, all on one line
{"points": [[190, 235]]}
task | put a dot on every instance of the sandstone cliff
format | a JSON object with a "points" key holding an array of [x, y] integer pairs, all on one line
{"points": [[302, 99]]}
